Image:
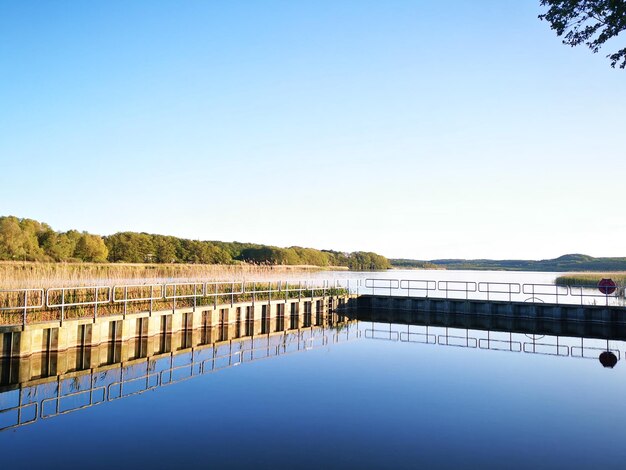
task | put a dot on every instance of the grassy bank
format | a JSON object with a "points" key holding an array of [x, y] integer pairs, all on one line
{"points": [[590, 279], [38, 274]]}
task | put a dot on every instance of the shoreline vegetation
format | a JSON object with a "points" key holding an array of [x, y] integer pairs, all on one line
{"points": [[139, 295], [572, 263], [32, 253], [591, 279], [32, 274], [31, 240]]}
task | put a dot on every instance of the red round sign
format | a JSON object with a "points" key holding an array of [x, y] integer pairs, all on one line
{"points": [[607, 286]]}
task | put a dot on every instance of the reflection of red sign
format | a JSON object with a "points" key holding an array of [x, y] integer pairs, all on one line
{"points": [[607, 286]]}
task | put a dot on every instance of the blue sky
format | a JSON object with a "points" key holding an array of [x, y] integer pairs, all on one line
{"points": [[410, 128]]}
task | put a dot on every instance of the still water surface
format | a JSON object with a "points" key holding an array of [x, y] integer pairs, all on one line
{"points": [[517, 286], [361, 394], [446, 275]]}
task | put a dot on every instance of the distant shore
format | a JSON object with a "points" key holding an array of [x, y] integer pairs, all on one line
{"points": [[572, 263]]}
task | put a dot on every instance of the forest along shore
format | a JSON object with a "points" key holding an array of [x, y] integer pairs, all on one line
{"points": [[31, 240]]}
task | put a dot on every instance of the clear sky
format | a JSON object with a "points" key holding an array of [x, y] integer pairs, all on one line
{"points": [[417, 129]]}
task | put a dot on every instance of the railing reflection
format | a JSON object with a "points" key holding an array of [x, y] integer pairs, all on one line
{"points": [[64, 382], [549, 345], [43, 398]]}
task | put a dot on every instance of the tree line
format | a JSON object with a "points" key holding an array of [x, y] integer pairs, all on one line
{"points": [[30, 240]]}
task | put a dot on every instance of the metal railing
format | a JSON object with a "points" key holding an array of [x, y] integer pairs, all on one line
{"points": [[25, 294], [547, 345], [78, 292], [457, 286], [550, 291], [390, 284], [54, 303], [492, 291], [21, 306], [418, 285], [142, 289], [499, 288]]}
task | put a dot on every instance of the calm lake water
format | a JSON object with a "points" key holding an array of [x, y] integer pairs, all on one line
{"points": [[520, 277], [520, 286], [359, 394], [445, 275], [367, 389]]}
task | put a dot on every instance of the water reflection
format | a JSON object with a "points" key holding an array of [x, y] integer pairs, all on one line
{"points": [[53, 384], [587, 340]]}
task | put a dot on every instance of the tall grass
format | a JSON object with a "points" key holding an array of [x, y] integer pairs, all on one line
{"points": [[14, 275], [590, 279], [80, 302]]}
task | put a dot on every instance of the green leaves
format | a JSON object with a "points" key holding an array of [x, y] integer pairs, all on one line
{"points": [[29, 240], [589, 22]]}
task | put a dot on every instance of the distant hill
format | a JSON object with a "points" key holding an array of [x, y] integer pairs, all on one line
{"points": [[572, 262]]}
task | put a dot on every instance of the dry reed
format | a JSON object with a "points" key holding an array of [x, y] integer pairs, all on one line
{"points": [[590, 279], [15, 275]]}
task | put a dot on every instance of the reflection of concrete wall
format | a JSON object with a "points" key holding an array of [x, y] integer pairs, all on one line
{"points": [[31, 395], [42, 367], [546, 311], [494, 322], [54, 336]]}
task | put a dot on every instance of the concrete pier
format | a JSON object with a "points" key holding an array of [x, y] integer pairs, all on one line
{"points": [[258, 317]]}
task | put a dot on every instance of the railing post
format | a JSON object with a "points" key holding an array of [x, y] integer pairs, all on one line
{"points": [[25, 309], [151, 297], [63, 305], [195, 292], [582, 303], [95, 307], [557, 297], [126, 300], [174, 298]]}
